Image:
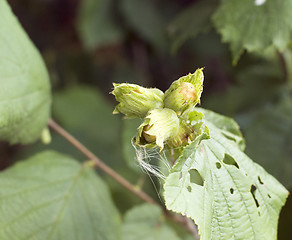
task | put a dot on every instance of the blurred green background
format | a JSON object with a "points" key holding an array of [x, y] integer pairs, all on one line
{"points": [[87, 45]]}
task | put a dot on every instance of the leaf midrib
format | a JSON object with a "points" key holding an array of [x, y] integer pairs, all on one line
{"points": [[245, 206], [67, 197]]}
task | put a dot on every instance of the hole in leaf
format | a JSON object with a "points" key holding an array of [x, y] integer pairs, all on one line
{"points": [[269, 196], [253, 188], [260, 180], [180, 175], [230, 160], [195, 177], [231, 190], [218, 165], [189, 188]]}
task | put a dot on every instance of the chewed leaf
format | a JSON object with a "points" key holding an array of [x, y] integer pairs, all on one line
{"points": [[254, 25], [227, 126], [223, 191]]}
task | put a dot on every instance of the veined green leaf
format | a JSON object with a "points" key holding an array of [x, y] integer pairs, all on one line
{"points": [[51, 196], [25, 90], [146, 222], [227, 126], [224, 192], [254, 25]]}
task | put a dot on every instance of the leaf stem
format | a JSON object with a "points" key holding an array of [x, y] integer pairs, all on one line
{"points": [[184, 221], [99, 164]]}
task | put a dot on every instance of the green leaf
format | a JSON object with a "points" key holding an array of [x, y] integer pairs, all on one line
{"points": [[25, 88], [146, 222], [272, 127], [93, 125], [227, 127], [249, 26], [223, 191], [190, 22], [96, 24], [51, 196], [145, 18], [87, 115]]}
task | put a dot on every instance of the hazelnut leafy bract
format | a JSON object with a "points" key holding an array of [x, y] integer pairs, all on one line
{"points": [[136, 101], [168, 117], [212, 181]]}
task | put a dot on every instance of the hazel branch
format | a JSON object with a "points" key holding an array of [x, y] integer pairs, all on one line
{"points": [[118, 178], [99, 164]]}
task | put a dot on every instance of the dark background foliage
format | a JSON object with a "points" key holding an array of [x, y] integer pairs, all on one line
{"points": [[89, 44]]}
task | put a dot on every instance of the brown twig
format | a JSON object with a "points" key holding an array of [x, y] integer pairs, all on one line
{"points": [[99, 164], [113, 174]]}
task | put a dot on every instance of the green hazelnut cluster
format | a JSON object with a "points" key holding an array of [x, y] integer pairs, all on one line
{"points": [[168, 118]]}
